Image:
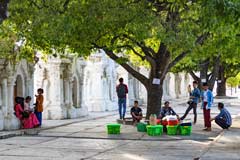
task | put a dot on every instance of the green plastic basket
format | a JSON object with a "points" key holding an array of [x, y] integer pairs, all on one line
{"points": [[156, 130], [185, 130], [172, 130], [142, 127], [113, 128]]}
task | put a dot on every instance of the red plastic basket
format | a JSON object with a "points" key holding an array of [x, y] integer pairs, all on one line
{"points": [[165, 122], [158, 121], [172, 122]]}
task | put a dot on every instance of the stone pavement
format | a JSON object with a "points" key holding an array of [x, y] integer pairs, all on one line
{"points": [[226, 145], [86, 138], [49, 124]]}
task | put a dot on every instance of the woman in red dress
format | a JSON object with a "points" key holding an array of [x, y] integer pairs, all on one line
{"points": [[26, 117]]}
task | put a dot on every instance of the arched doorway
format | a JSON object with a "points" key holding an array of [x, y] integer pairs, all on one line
{"points": [[75, 92], [18, 88]]}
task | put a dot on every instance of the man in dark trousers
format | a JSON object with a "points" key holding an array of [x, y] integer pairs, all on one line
{"points": [[122, 91], [194, 96], [223, 119]]}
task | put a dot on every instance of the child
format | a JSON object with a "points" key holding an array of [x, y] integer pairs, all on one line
{"points": [[39, 105], [136, 113]]}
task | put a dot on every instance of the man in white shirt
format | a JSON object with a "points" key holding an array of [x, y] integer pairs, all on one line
{"points": [[207, 101]]}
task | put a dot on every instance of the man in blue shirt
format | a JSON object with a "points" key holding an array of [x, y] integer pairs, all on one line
{"points": [[194, 96], [166, 110], [223, 119]]}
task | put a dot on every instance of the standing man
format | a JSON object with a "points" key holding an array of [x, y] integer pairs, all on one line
{"points": [[207, 101], [122, 91], [194, 96], [223, 119]]}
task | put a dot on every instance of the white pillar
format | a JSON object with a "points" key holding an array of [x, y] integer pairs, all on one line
{"points": [[11, 122], [4, 97], [66, 93], [29, 89], [55, 110]]}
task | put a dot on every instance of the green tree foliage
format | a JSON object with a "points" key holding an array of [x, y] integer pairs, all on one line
{"points": [[234, 81], [222, 26], [154, 32]]}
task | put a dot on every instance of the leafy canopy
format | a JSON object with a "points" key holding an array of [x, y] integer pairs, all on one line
{"points": [[127, 25], [118, 25]]}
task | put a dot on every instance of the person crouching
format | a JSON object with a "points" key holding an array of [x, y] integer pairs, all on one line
{"points": [[223, 119], [136, 113]]}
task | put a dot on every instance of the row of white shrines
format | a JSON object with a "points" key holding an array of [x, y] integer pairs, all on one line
{"points": [[74, 87]]}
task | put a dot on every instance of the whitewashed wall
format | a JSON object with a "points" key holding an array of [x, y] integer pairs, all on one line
{"points": [[15, 80], [73, 87], [62, 81]]}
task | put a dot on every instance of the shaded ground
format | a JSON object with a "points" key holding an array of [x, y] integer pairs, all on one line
{"points": [[87, 139]]}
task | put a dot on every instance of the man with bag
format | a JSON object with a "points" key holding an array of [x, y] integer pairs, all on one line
{"points": [[194, 96], [122, 91]]}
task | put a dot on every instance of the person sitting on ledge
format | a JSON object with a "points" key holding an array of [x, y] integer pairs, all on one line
{"points": [[27, 118], [136, 113], [223, 119], [166, 111]]}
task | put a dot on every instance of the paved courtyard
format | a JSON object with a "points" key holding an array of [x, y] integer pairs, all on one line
{"points": [[87, 139]]}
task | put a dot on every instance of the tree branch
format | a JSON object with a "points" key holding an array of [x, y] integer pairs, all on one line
{"points": [[133, 72], [215, 70], [146, 57], [65, 5], [160, 6], [173, 63], [149, 52], [134, 51], [146, 50], [200, 40], [194, 76], [209, 75], [176, 60]]}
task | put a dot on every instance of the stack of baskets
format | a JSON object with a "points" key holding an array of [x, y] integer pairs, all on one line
{"points": [[172, 127], [186, 128], [154, 129]]}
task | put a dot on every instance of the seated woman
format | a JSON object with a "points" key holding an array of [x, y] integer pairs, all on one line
{"points": [[166, 111], [136, 113], [26, 117]]}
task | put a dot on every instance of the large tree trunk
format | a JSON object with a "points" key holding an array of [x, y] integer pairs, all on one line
{"points": [[160, 63], [209, 78], [214, 74], [154, 98], [221, 88], [203, 72], [221, 85]]}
